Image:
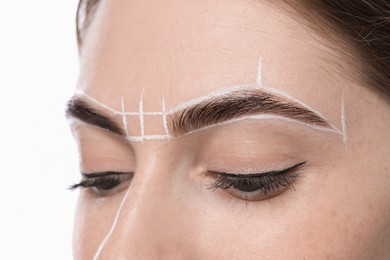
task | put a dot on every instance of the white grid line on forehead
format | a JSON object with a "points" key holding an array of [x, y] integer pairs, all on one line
{"points": [[135, 138], [220, 93], [164, 112], [259, 79], [124, 118], [141, 115]]}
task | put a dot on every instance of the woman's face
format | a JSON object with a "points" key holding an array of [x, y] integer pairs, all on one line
{"points": [[233, 134]]}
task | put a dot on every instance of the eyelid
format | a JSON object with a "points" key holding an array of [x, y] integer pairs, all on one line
{"points": [[103, 174], [262, 174], [96, 175], [258, 186]]}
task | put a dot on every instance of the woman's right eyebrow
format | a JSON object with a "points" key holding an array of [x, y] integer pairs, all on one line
{"points": [[79, 109]]}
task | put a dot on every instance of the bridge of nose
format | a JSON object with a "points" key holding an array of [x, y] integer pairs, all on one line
{"points": [[156, 215]]}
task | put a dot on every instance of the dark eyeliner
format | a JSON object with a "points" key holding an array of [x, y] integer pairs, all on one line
{"points": [[97, 178], [270, 173], [266, 181]]}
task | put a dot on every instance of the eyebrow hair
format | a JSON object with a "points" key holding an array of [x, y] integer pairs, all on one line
{"points": [[238, 104], [79, 109]]}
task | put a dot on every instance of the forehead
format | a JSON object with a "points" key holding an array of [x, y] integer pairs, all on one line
{"points": [[181, 50]]}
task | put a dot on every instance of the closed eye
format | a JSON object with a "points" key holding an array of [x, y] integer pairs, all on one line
{"points": [[104, 183]]}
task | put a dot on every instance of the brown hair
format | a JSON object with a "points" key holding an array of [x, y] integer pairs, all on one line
{"points": [[364, 24]]}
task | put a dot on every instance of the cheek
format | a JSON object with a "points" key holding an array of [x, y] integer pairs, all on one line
{"points": [[94, 218], [229, 228], [337, 213], [343, 216]]}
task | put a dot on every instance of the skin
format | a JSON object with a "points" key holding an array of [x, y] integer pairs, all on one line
{"points": [[339, 207]]}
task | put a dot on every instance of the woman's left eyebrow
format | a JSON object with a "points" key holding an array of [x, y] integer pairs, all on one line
{"points": [[243, 104]]}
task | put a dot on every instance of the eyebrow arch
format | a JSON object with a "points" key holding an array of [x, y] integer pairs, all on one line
{"points": [[79, 109], [242, 104]]}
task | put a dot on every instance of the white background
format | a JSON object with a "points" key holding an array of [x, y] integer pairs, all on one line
{"points": [[38, 157]]}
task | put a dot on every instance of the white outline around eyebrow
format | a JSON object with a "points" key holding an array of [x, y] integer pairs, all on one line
{"points": [[265, 117], [141, 115], [258, 85]]}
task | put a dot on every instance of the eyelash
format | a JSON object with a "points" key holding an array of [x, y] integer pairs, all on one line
{"points": [[104, 183], [258, 186], [249, 187]]}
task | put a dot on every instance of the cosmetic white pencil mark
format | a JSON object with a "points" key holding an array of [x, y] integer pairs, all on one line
{"points": [[164, 112], [259, 79], [215, 94], [109, 234], [343, 123], [112, 110], [223, 92], [287, 96], [265, 117], [124, 119], [219, 93], [141, 115], [93, 100], [144, 113], [134, 138]]}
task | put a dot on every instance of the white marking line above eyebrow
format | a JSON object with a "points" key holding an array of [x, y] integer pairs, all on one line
{"points": [[251, 117], [145, 113], [286, 95], [141, 115], [265, 117], [124, 119], [135, 138], [81, 93], [115, 112], [259, 79], [225, 91], [222, 92]]}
